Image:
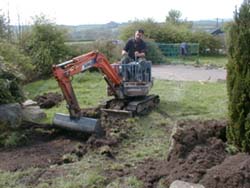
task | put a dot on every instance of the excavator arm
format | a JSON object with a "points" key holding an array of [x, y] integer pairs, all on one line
{"points": [[64, 71]]}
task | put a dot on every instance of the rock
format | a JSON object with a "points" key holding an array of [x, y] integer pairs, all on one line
{"points": [[104, 150], [68, 158], [33, 113], [10, 116], [29, 102], [183, 184]]}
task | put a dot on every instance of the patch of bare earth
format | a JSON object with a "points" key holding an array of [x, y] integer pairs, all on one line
{"points": [[42, 150], [198, 155]]}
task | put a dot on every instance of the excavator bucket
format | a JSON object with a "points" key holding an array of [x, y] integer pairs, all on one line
{"points": [[82, 124]]}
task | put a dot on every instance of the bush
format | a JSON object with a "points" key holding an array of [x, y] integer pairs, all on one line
{"points": [[46, 45], [208, 44], [16, 61], [172, 33], [79, 48], [12, 139], [150, 27], [238, 79], [10, 89], [154, 54], [111, 49]]}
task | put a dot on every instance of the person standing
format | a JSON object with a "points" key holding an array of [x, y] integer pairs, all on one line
{"points": [[183, 49]]}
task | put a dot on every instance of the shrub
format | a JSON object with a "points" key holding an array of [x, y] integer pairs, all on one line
{"points": [[173, 33], [238, 79], [111, 49], [16, 60], [10, 89], [208, 44], [46, 46], [154, 53]]}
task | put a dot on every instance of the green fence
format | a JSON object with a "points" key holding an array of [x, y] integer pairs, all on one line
{"points": [[174, 49]]}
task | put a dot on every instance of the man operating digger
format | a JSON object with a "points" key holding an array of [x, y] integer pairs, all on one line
{"points": [[135, 48]]}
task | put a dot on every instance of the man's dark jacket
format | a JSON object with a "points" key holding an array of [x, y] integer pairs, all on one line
{"points": [[133, 45]]}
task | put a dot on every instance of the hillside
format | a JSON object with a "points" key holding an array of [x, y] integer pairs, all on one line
{"points": [[110, 30], [93, 31]]}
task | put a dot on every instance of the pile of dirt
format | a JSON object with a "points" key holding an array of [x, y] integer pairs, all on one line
{"points": [[233, 172], [115, 130], [10, 87], [198, 155], [48, 100]]}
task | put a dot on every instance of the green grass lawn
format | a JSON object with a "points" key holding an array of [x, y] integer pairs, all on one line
{"points": [[219, 61], [178, 99], [149, 138], [192, 100]]}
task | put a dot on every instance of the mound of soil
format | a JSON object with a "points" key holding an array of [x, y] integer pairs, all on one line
{"points": [[198, 155], [48, 100], [233, 172], [114, 131]]}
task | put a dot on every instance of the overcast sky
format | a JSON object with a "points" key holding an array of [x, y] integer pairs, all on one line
{"points": [[76, 12]]}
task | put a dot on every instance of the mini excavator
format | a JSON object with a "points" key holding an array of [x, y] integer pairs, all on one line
{"points": [[128, 83]]}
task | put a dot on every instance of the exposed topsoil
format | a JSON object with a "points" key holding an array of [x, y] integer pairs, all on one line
{"points": [[48, 100], [198, 155], [42, 150]]}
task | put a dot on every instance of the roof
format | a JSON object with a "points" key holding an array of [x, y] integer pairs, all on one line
{"points": [[217, 31]]}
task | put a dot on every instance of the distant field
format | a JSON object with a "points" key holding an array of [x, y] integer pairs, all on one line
{"points": [[79, 42]]}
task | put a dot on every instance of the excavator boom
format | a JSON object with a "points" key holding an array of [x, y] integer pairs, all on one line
{"points": [[63, 73]]}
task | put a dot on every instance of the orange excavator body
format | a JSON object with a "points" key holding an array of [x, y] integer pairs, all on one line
{"points": [[122, 90]]}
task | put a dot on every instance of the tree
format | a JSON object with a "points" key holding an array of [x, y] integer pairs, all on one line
{"points": [[150, 27], [238, 79], [46, 45], [18, 63], [12, 56], [4, 28], [173, 16]]}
